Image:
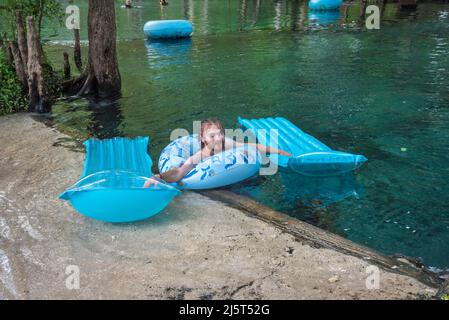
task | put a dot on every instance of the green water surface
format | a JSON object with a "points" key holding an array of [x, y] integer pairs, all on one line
{"points": [[381, 93]]}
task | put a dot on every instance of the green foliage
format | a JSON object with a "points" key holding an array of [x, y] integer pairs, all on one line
{"points": [[445, 297], [49, 9], [12, 98]]}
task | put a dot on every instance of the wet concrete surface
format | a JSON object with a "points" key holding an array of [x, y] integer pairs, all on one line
{"points": [[196, 248]]}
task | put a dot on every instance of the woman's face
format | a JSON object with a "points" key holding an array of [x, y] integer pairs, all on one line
{"points": [[212, 137]]}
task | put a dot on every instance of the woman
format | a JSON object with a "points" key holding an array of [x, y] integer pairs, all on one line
{"points": [[213, 141]]}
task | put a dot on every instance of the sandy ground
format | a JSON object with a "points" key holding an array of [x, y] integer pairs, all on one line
{"points": [[195, 249]]}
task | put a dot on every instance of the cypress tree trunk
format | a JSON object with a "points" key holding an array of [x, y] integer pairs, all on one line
{"points": [[102, 73], [38, 101], [22, 39], [363, 6], [39, 17], [19, 65], [9, 55], [77, 50]]}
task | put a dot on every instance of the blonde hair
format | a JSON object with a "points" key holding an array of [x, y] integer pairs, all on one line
{"points": [[208, 123]]}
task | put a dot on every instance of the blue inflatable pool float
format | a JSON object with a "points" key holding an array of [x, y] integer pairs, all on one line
{"points": [[225, 168], [111, 186], [310, 156], [324, 5], [168, 29]]}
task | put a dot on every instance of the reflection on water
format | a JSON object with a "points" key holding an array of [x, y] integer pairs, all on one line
{"points": [[278, 15], [169, 51], [189, 10], [323, 18], [106, 118], [217, 17], [230, 16]]}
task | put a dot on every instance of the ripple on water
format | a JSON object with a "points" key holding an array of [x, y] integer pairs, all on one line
{"points": [[382, 94]]}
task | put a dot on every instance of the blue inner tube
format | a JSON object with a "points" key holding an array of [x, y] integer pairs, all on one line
{"points": [[225, 168], [168, 29]]}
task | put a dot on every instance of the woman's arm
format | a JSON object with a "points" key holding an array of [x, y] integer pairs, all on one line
{"points": [[172, 175], [176, 174], [263, 149], [267, 149]]}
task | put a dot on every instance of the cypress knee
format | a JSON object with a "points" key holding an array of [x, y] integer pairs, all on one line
{"points": [[66, 66]]}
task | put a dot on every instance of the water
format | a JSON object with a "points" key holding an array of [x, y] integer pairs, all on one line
{"points": [[381, 93]]}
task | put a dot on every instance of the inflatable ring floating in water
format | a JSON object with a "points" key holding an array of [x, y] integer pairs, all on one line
{"points": [[168, 29], [225, 168]]}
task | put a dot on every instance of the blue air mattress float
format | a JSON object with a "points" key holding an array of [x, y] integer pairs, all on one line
{"points": [[168, 29], [225, 168], [111, 186], [324, 5], [310, 156]]}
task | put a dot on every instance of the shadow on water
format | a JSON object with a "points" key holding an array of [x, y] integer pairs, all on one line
{"points": [[106, 117], [312, 199], [319, 191], [88, 117], [305, 197]]}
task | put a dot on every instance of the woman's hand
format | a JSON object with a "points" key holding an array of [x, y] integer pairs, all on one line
{"points": [[153, 181]]}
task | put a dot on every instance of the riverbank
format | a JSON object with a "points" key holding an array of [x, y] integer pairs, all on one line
{"points": [[197, 248]]}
